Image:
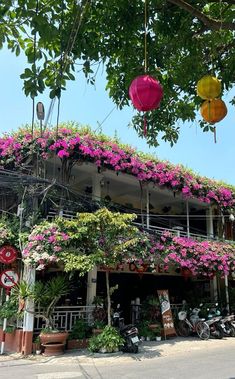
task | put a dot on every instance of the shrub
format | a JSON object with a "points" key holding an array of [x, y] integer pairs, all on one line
{"points": [[109, 340]]}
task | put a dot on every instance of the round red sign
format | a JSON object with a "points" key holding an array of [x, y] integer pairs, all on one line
{"points": [[8, 254], [9, 278]]}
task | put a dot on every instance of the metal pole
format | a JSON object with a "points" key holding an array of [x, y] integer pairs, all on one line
{"points": [[147, 207], [187, 210], [4, 326], [226, 292]]}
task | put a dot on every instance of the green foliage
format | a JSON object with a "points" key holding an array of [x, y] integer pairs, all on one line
{"points": [[47, 294], [98, 323], [9, 231], [103, 238], [150, 309], [109, 339], [183, 44], [9, 309], [80, 330], [10, 329]]}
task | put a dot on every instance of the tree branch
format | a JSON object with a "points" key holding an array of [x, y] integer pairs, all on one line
{"points": [[209, 22], [230, 2]]}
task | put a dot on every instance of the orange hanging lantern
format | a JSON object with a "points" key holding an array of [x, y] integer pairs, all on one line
{"points": [[208, 87], [213, 110]]}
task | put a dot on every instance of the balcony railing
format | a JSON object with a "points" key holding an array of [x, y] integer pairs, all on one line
{"points": [[177, 231], [66, 316]]}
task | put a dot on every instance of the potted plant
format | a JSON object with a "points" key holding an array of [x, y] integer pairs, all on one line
{"points": [[109, 341], [158, 331], [151, 311], [46, 296], [10, 310], [99, 315], [37, 346], [78, 335]]}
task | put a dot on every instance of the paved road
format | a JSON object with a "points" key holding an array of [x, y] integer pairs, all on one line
{"points": [[203, 364]]}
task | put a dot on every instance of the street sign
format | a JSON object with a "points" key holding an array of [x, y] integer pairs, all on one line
{"points": [[9, 279], [8, 254]]}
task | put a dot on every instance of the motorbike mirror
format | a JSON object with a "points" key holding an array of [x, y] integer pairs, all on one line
{"points": [[216, 304], [208, 309]]}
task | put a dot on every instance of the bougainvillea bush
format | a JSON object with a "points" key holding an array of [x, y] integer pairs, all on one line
{"points": [[44, 245], [200, 257], [7, 234], [79, 250], [72, 145]]}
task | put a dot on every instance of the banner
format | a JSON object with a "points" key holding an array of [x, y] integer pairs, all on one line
{"points": [[167, 319]]}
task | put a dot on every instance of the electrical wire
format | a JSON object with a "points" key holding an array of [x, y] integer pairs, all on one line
{"points": [[34, 61], [70, 45]]}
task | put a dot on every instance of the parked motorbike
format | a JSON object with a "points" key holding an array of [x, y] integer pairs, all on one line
{"points": [[228, 325], [128, 332], [214, 320]]}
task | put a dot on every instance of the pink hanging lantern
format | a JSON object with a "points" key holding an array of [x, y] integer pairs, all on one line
{"points": [[145, 93]]}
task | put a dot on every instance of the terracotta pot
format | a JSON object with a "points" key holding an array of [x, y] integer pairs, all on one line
{"points": [[57, 337], [51, 349], [77, 344], [35, 347]]}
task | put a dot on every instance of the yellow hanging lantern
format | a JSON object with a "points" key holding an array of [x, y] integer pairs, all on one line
{"points": [[213, 110], [208, 87]]}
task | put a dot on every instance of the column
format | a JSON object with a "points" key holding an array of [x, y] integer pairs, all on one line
{"points": [[187, 211], [147, 206], [209, 223], [214, 289], [28, 323], [226, 292], [92, 275], [210, 234]]}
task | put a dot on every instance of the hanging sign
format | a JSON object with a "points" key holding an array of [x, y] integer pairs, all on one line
{"points": [[9, 278], [167, 319], [8, 254]]}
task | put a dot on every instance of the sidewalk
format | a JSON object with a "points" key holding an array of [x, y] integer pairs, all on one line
{"points": [[147, 350]]}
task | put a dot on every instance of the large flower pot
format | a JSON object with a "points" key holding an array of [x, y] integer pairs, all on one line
{"points": [[53, 343], [77, 344], [53, 337], [51, 349]]}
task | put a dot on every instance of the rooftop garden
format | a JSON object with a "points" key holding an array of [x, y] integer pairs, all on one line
{"points": [[73, 144]]}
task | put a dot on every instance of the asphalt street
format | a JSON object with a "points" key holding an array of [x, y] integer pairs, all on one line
{"points": [[202, 364]]}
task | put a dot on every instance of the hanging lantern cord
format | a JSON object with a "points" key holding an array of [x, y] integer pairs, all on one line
{"points": [[215, 140], [145, 56], [145, 125], [145, 36]]}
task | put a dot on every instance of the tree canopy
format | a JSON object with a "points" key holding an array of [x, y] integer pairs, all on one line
{"points": [[185, 40]]}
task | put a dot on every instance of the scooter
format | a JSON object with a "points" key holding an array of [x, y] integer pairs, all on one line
{"points": [[215, 323], [128, 332], [228, 326]]}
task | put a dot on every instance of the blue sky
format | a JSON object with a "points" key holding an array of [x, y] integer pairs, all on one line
{"points": [[90, 105]]}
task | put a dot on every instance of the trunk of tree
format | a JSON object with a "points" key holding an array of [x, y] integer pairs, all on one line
{"points": [[108, 298]]}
